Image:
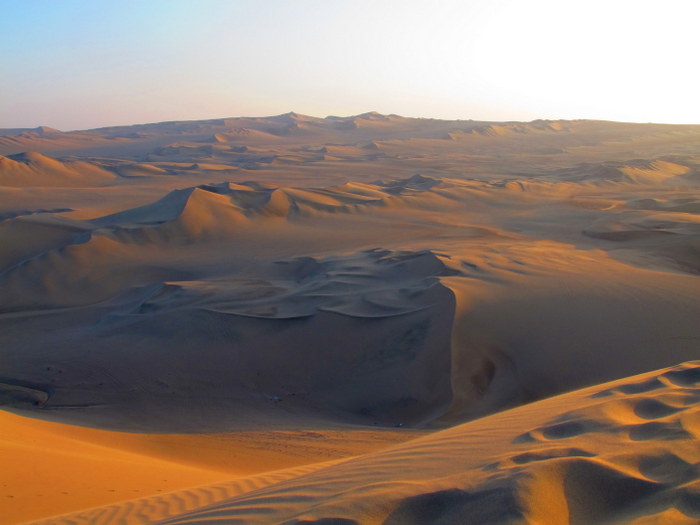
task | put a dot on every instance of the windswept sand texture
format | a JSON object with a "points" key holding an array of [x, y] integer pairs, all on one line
{"points": [[368, 319]]}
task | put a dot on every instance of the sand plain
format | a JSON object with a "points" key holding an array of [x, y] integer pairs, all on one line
{"points": [[368, 319]]}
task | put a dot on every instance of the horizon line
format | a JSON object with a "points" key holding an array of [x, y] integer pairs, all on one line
{"points": [[327, 117]]}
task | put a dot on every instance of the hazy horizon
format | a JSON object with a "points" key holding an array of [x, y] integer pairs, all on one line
{"points": [[81, 65], [422, 117]]}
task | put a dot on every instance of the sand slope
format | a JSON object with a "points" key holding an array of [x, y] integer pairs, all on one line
{"points": [[51, 467]]}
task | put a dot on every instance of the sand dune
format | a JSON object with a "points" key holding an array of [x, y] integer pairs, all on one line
{"points": [[621, 452], [238, 302], [35, 169]]}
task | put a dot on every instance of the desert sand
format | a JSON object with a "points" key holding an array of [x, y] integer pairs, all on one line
{"points": [[350, 320]]}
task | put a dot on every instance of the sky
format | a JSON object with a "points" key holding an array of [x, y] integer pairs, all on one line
{"points": [[80, 64]]}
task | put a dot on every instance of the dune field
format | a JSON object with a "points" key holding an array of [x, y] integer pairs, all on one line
{"points": [[350, 320]]}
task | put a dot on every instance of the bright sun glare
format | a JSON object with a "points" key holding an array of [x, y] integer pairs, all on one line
{"points": [[97, 64], [614, 60]]}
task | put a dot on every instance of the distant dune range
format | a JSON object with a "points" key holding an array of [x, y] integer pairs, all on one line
{"points": [[260, 309]]}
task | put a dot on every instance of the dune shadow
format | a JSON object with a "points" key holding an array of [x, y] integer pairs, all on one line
{"points": [[493, 506]]}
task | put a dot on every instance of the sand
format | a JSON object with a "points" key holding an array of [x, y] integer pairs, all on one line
{"points": [[373, 319]]}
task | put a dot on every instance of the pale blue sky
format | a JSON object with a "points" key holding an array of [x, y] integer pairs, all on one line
{"points": [[75, 64]]}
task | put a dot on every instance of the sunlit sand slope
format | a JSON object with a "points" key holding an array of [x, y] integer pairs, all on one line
{"points": [[51, 467]]}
